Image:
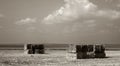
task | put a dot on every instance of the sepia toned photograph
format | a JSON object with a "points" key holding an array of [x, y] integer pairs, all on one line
{"points": [[59, 32]]}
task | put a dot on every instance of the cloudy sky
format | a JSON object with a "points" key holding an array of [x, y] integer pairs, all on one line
{"points": [[59, 21]]}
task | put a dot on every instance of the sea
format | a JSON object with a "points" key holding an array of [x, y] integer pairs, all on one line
{"points": [[53, 46]]}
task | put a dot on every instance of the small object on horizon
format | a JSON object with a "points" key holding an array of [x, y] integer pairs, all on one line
{"points": [[90, 51], [34, 49]]}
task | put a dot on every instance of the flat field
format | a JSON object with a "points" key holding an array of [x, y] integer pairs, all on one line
{"points": [[55, 58]]}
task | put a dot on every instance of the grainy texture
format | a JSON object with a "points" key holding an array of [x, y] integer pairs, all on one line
{"points": [[55, 58]]}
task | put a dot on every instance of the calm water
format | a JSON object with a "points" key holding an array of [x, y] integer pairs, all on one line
{"points": [[54, 46]]}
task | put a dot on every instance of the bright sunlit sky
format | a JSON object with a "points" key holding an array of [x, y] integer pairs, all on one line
{"points": [[59, 21]]}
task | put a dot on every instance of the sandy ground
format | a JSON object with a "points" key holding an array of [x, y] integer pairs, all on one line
{"points": [[55, 58]]}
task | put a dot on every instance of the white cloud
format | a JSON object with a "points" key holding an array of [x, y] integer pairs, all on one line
{"points": [[26, 21], [76, 9], [72, 10], [112, 14], [83, 16]]}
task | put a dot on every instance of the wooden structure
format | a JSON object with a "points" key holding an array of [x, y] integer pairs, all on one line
{"points": [[90, 51], [34, 49]]}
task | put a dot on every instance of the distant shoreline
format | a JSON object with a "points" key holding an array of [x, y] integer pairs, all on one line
{"points": [[54, 47]]}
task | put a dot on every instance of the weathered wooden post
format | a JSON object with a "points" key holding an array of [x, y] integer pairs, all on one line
{"points": [[81, 51], [90, 51], [90, 48], [100, 51], [42, 49], [39, 49], [34, 49], [84, 51], [28, 49], [29, 46]]}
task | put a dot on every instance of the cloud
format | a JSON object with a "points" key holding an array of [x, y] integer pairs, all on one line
{"points": [[83, 17], [73, 9], [26, 21], [112, 14], [78, 9]]}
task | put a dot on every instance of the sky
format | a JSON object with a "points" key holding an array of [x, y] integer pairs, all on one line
{"points": [[60, 21]]}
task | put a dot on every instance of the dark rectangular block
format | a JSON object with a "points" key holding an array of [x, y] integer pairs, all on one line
{"points": [[78, 48], [82, 55], [99, 49], [30, 51], [42, 51], [38, 51], [90, 51], [100, 55], [41, 47], [81, 48], [91, 54], [79, 55], [35, 48], [29, 46], [90, 48], [84, 48]]}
